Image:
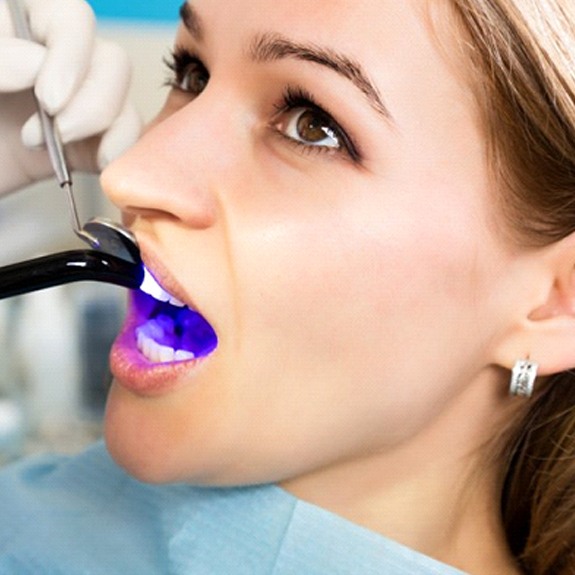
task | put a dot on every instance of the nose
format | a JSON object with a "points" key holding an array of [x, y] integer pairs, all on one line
{"points": [[178, 168]]}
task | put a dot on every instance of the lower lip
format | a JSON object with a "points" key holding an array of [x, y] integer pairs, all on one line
{"points": [[135, 373]]}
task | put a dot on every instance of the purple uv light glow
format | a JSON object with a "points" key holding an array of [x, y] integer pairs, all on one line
{"points": [[176, 327]]}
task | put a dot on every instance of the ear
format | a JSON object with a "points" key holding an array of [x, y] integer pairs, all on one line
{"points": [[547, 332]]}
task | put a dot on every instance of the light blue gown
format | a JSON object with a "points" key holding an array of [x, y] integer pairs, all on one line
{"points": [[83, 515]]}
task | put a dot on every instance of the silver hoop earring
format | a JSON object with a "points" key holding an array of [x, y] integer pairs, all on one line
{"points": [[523, 377]]}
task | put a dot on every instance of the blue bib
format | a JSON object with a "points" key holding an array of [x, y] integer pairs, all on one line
{"points": [[84, 515]]}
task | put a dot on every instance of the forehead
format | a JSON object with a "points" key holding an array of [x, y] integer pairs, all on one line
{"points": [[398, 43], [366, 25]]}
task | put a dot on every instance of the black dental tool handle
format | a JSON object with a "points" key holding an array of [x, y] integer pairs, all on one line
{"points": [[67, 267]]}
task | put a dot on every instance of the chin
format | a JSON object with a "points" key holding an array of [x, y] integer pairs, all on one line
{"points": [[154, 463], [157, 444], [147, 461]]}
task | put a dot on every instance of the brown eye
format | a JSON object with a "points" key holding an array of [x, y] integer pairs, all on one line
{"points": [[310, 127], [187, 72], [193, 79]]}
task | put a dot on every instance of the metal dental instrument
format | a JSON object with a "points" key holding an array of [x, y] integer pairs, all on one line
{"points": [[116, 258], [99, 233]]}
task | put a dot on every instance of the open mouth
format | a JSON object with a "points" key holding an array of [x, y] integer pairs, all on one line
{"points": [[168, 330]]}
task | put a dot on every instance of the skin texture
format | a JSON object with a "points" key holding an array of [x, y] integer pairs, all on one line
{"points": [[364, 308]]}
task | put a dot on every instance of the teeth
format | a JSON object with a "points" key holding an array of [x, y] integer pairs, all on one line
{"points": [[176, 302], [183, 355], [157, 353], [154, 289], [161, 328]]}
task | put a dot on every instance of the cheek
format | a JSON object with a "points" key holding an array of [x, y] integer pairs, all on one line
{"points": [[353, 326], [341, 281], [358, 298]]}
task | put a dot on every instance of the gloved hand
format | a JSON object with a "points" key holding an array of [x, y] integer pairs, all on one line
{"points": [[78, 78]]}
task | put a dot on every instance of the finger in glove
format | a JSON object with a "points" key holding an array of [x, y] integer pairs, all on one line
{"points": [[20, 63]]}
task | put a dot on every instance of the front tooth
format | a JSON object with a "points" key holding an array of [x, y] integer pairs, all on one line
{"points": [[155, 352], [176, 302], [183, 355], [165, 354], [153, 288], [149, 348]]}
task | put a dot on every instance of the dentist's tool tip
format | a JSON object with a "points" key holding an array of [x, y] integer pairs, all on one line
{"points": [[99, 233], [103, 234], [112, 238]]}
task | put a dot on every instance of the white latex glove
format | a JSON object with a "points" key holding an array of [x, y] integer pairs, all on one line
{"points": [[78, 78]]}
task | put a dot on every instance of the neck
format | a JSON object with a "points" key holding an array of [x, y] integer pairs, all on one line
{"points": [[434, 493]]}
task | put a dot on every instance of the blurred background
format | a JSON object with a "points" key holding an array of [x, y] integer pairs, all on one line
{"points": [[54, 344]]}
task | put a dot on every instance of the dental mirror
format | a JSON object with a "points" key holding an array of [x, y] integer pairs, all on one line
{"points": [[99, 233], [115, 258]]}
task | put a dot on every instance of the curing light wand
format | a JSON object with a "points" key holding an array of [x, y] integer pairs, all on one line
{"points": [[67, 267]]}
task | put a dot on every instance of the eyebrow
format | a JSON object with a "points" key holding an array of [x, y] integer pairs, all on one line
{"points": [[192, 21], [270, 47]]}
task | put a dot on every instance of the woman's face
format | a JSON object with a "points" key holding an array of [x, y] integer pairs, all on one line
{"points": [[315, 188]]}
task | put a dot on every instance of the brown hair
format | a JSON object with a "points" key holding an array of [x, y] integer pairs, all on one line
{"points": [[523, 53]]}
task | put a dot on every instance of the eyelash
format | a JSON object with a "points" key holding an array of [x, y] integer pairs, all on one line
{"points": [[178, 63], [180, 60], [297, 98]]}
